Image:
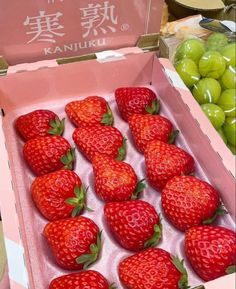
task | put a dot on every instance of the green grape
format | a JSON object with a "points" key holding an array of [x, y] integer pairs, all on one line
{"points": [[222, 85], [228, 79], [207, 90], [192, 49], [229, 54], [216, 42], [229, 129], [232, 148], [227, 102], [221, 133], [188, 71], [212, 65], [215, 114]]}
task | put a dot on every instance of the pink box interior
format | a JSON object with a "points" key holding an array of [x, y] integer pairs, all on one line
{"points": [[53, 89]]}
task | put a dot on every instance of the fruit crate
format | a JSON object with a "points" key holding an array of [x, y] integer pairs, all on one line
{"points": [[139, 69], [51, 86]]}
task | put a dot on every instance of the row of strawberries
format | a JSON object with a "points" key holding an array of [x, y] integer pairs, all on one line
{"points": [[187, 201]]}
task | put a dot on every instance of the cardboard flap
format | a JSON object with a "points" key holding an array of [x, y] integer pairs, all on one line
{"points": [[202, 4], [33, 30]]}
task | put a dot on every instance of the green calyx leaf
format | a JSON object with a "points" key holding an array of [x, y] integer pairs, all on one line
{"points": [[112, 286], [122, 151], [139, 188], [183, 282], [154, 108], [191, 174], [107, 118], [88, 209], [79, 201], [199, 287], [221, 211], [187, 174], [173, 136], [68, 159], [57, 126], [88, 259], [231, 269], [155, 239]]}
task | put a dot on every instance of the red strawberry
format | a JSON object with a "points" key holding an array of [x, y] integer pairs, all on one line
{"points": [[115, 180], [39, 123], [188, 201], [75, 242], [48, 154], [82, 280], [89, 111], [135, 224], [139, 100], [153, 269], [105, 140], [58, 195], [146, 128], [165, 161], [211, 251]]}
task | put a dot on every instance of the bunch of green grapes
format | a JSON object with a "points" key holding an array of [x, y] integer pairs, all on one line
{"points": [[208, 69]]}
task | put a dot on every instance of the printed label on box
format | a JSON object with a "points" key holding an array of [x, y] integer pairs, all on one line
{"points": [[45, 29]]}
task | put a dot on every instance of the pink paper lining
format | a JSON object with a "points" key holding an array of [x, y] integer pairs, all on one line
{"points": [[41, 264]]}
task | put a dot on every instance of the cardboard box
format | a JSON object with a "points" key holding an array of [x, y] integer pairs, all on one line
{"points": [[177, 31], [56, 86], [46, 84], [50, 29]]}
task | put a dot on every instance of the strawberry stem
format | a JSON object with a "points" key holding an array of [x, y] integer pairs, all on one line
{"points": [[122, 151], [112, 286], [155, 239], [173, 136], [221, 211], [78, 202], [139, 188], [57, 126], [183, 282], [68, 159], [231, 269], [199, 287], [154, 108], [88, 259], [107, 118]]}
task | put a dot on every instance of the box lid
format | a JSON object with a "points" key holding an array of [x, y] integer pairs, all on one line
{"points": [[33, 30], [202, 4]]}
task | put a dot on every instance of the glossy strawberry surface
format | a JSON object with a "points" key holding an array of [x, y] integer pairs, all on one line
{"points": [[114, 180], [211, 251], [150, 269], [83, 280], [74, 242], [105, 140], [165, 161], [146, 128], [131, 100], [135, 224], [188, 201], [45, 154], [93, 110], [52, 191], [39, 123]]}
